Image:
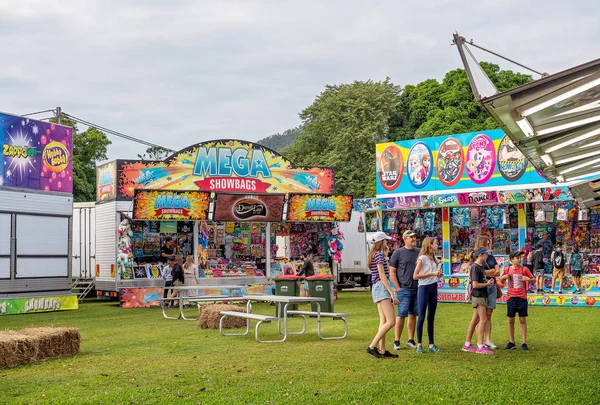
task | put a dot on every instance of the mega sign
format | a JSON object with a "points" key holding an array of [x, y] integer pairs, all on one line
{"points": [[486, 159], [35, 155], [309, 207], [225, 166], [170, 205]]}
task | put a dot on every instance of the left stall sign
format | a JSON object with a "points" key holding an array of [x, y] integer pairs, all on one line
{"points": [[35, 154], [170, 205]]}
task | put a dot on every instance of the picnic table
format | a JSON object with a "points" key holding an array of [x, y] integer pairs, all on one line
{"points": [[199, 299], [282, 315]]}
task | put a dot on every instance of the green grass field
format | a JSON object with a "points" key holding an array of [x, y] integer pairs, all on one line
{"points": [[136, 356]]}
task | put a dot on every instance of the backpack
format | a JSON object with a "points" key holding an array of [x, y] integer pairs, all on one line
{"points": [[558, 259]]}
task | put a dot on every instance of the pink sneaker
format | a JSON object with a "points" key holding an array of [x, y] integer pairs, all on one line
{"points": [[468, 348], [484, 350]]}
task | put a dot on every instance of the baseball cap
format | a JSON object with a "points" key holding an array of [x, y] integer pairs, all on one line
{"points": [[482, 251], [516, 253], [380, 236], [408, 233]]}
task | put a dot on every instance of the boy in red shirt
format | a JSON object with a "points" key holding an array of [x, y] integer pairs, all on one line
{"points": [[517, 277]]}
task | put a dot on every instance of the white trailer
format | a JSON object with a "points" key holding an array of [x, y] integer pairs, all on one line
{"points": [[83, 260], [353, 270]]}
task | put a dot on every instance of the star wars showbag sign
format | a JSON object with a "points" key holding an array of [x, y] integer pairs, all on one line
{"points": [[248, 207], [485, 160]]}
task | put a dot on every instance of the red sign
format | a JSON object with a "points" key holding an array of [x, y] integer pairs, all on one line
{"points": [[232, 184]]}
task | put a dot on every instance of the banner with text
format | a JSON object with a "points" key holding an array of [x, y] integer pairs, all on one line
{"points": [[256, 208], [487, 160], [14, 306], [35, 155], [315, 207], [158, 205]]}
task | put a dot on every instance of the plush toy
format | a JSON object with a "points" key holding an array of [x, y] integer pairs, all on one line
{"points": [[335, 246], [124, 248]]}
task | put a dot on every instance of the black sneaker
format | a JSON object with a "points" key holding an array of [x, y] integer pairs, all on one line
{"points": [[375, 353], [560, 291], [510, 346], [388, 354], [524, 346], [396, 345]]}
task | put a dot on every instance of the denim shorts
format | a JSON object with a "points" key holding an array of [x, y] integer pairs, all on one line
{"points": [[492, 296], [407, 303], [379, 292]]}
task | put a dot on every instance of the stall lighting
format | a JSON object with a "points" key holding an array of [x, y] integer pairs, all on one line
{"points": [[574, 140], [578, 157], [582, 176], [568, 125], [560, 179], [547, 159], [525, 127], [595, 143], [579, 166], [558, 99]]}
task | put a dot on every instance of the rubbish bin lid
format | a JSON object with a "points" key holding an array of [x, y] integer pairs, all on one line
{"points": [[320, 277], [287, 277]]}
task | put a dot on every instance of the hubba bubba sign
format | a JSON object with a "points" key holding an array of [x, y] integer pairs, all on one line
{"points": [[106, 179], [170, 205], [35, 154], [307, 207], [226, 166]]}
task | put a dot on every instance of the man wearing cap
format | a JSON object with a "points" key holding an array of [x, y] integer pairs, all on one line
{"points": [[517, 277], [402, 268]]}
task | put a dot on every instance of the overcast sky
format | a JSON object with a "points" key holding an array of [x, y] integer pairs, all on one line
{"points": [[180, 72]]}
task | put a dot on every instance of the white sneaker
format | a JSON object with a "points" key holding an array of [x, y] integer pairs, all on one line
{"points": [[490, 345], [411, 344], [396, 346]]}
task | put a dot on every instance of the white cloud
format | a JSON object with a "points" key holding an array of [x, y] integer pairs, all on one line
{"points": [[176, 73]]}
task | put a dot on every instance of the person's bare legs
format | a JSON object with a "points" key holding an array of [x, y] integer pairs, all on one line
{"points": [[511, 329], [385, 308], [471, 329], [488, 324], [523, 321], [412, 326], [381, 323], [560, 282], [398, 327], [481, 314]]}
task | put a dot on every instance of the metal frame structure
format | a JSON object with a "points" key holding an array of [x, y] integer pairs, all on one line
{"points": [[554, 121]]}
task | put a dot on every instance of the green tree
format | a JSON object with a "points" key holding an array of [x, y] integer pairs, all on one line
{"points": [[89, 147], [155, 153], [432, 109], [278, 142], [340, 130]]}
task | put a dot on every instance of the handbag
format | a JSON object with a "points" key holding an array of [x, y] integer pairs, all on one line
{"points": [[498, 289]]}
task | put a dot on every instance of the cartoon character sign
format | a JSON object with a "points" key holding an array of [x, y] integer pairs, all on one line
{"points": [[390, 167], [450, 162], [419, 165], [481, 159], [511, 162]]}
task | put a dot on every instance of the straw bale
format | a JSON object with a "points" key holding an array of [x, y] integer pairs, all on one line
{"points": [[210, 315], [35, 344]]}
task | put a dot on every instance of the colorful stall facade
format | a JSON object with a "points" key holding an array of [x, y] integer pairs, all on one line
{"points": [[458, 187]]}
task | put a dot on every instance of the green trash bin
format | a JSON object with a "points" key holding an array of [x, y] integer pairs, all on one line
{"points": [[288, 286], [321, 286]]}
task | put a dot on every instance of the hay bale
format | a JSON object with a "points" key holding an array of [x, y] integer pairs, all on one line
{"points": [[35, 344], [210, 315]]}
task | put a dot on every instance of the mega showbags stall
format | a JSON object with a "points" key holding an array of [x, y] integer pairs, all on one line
{"points": [[229, 171], [36, 205], [459, 187]]}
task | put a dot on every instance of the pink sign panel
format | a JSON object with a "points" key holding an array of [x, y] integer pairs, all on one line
{"points": [[478, 197]]}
